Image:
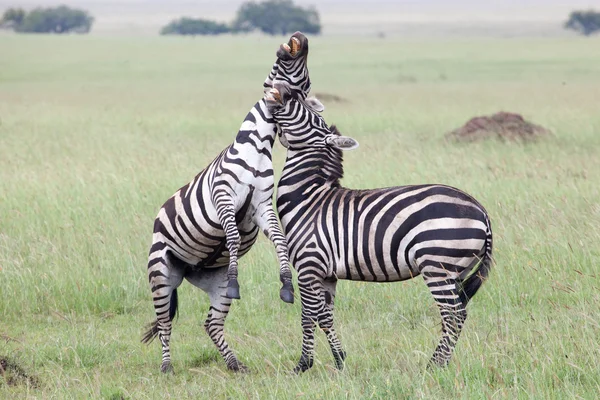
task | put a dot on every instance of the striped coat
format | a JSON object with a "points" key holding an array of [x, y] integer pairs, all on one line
{"points": [[378, 235], [203, 229]]}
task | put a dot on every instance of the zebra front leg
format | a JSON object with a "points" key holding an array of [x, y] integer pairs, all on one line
{"points": [[214, 283], [226, 212], [452, 310], [326, 323], [266, 220], [163, 284], [312, 305]]}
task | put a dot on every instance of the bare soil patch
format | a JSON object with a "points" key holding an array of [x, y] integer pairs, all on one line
{"points": [[330, 98], [14, 375], [502, 125]]}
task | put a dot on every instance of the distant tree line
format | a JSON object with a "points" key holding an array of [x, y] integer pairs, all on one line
{"points": [[584, 22], [273, 17], [60, 19], [191, 26]]}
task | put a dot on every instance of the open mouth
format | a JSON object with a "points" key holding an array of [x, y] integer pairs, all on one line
{"points": [[273, 96], [293, 47]]}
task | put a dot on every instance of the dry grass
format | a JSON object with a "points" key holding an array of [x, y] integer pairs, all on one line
{"points": [[96, 133]]}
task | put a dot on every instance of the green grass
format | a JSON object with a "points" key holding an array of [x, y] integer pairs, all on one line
{"points": [[97, 132]]}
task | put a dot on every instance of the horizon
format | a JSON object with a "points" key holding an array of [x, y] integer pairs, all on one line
{"points": [[356, 18]]}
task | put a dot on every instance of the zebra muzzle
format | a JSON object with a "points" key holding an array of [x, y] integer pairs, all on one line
{"points": [[293, 46], [273, 96]]}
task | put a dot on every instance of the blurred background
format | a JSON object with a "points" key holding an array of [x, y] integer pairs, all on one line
{"points": [[505, 18]]}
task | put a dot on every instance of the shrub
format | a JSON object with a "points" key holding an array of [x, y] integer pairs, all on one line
{"points": [[191, 26], [584, 22], [12, 17], [276, 17], [60, 19]]}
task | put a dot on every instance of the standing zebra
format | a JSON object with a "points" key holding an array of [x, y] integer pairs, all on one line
{"points": [[202, 230], [378, 235]]}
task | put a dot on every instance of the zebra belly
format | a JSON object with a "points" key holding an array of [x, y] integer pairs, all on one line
{"points": [[373, 271], [201, 252], [194, 234]]}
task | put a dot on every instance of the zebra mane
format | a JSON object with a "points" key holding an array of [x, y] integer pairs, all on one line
{"points": [[334, 130], [335, 161]]}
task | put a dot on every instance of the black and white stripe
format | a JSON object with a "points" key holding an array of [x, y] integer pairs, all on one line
{"points": [[202, 230], [378, 235]]}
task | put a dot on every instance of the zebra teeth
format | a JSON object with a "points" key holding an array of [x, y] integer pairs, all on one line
{"points": [[274, 95], [287, 47], [296, 46]]}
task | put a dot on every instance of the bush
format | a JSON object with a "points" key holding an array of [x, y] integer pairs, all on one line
{"points": [[60, 19], [276, 17], [12, 17], [584, 22], [191, 26]]}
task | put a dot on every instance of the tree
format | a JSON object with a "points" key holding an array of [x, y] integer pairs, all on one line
{"points": [[276, 17], [191, 26], [12, 17], [584, 22], [60, 19]]}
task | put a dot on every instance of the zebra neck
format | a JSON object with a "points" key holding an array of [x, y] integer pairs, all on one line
{"points": [[258, 130], [308, 170]]}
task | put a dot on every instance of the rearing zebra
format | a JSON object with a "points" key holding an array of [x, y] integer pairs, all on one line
{"points": [[378, 235], [202, 230]]}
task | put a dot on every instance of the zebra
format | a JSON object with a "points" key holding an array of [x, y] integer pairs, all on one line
{"points": [[202, 230], [378, 235]]}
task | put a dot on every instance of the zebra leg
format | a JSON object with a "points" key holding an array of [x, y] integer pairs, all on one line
{"points": [[312, 304], [226, 212], [445, 291], [164, 279], [326, 323], [214, 283], [267, 221]]}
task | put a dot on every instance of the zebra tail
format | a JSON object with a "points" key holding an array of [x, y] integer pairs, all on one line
{"points": [[152, 328], [473, 282]]}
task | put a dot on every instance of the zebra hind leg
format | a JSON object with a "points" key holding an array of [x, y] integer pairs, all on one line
{"points": [[214, 283], [163, 283], [325, 320], [312, 305], [453, 311]]}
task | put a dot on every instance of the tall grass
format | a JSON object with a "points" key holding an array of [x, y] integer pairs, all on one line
{"points": [[97, 132]]}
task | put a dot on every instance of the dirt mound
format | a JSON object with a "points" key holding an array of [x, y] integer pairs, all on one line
{"points": [[502, 125], [14, 375], [330, 98]]}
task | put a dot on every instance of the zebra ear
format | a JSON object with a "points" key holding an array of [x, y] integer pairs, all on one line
{"points": [[343, 143], [314, 104]]}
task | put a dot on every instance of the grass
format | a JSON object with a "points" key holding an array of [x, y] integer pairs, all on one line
{"points": [[97, 132]]}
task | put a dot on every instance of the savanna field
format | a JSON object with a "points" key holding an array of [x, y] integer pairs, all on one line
{"points": [[97, 132]]}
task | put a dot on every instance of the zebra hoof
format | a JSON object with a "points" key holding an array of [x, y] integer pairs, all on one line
{"points": [[238, 367], [233, 289], [339, 359], [303, 365], [287, 294], [167, 368], [299, 370]]}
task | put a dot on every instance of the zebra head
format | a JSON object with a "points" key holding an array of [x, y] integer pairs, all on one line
{"points": [[291, 58], [300, 124]]}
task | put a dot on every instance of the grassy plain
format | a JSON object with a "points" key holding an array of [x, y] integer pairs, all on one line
{"points": [[96, 133]]}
